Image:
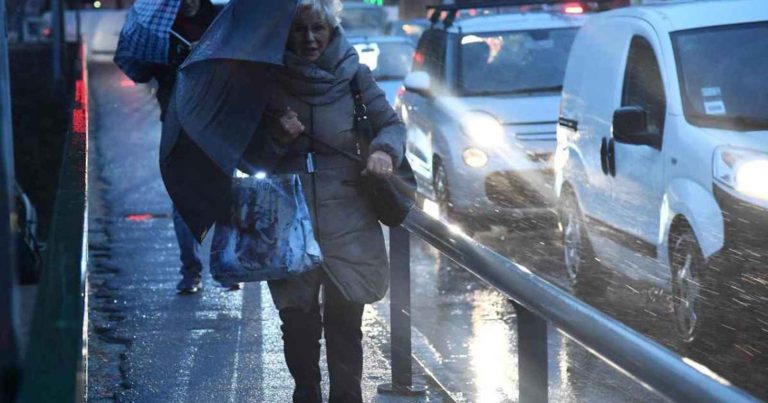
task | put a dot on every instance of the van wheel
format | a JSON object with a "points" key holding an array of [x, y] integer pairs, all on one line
{"points": [[693, 313], [585, 273]]}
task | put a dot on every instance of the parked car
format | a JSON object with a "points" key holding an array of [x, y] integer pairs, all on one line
{"points": [[388, 57], [481, 109], [359, 19], [662, 153]]}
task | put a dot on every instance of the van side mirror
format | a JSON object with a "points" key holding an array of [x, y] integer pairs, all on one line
{"points": [[630, 126], [419, 82]]}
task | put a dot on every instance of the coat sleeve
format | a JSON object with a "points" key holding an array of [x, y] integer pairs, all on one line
{"points": [[388, 129]]}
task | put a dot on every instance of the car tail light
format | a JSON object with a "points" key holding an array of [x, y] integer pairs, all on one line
{"points": [[400, 92]]}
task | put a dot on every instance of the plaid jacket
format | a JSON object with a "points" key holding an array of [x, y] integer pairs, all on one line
{"points": [[144, 40]]}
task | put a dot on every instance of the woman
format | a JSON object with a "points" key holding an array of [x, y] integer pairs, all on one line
{"points": [[312, 106]]}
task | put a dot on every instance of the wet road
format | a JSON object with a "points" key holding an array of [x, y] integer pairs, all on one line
{"points": [[470, 329]]}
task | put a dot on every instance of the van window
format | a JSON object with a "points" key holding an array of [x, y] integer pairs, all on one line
{"points": [[643, 85], [722, 76]]}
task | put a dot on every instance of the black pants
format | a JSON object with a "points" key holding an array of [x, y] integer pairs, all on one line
{"points": [[342, 321]]}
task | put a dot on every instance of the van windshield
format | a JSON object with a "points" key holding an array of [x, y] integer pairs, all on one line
{"points": [[722, 76], [514, 62]]}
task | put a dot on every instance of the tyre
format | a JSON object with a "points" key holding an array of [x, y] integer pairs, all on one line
{"points": [[585, 274], [694, 295]]}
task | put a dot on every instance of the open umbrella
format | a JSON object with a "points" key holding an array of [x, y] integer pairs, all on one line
{"points": [[217, 105], [145, 37]]}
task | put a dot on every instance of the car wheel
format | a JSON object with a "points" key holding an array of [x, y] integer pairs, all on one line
{"points": [[584, 271], [692, 312]]}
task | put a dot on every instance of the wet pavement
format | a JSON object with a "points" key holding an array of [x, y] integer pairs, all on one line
{"points": [[147, 344]]}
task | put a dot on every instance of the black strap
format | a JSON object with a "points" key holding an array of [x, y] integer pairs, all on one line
{"points": [[362, 125]]}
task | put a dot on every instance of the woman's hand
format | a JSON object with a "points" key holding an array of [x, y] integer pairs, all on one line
{"points": [[379, 164], [292, 127]]}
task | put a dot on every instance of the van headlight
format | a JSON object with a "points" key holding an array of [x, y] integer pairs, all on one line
{"points": [[484, 129], [744, 171]]}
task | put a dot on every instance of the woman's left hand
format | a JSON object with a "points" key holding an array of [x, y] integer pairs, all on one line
{"points": [[379, 164]]}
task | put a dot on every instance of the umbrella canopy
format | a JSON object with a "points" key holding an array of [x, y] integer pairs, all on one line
{"points": [[217, 105], [145, 37]]}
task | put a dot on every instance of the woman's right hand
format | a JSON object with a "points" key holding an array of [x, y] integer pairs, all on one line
{"points": [[292, 127]]}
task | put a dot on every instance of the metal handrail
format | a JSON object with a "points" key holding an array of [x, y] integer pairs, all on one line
{"points": [[641, 358], [54, 369]]}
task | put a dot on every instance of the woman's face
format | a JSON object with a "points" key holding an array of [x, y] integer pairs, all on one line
{"points": [[189, 8], [310, 34]]}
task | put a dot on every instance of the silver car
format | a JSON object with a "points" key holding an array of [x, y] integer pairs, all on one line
{"points": [[481, 108]]}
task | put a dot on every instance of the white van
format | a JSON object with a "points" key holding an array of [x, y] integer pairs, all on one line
{"points": [[662, 153]]}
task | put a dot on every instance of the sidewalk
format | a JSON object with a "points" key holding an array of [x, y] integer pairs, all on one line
{"points": [[146, 343]]}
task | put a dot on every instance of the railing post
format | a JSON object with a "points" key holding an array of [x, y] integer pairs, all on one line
{"points": [[400, 315], [532, 356]]}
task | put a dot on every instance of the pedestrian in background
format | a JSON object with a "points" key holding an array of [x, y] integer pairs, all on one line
{"points": [[313, 105], [193, 18]]}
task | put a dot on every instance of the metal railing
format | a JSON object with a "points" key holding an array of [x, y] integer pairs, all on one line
{"points": [[54, 365], [539, 303]]}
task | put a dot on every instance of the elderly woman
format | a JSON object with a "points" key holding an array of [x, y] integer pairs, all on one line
{"points": [[312, 107]]}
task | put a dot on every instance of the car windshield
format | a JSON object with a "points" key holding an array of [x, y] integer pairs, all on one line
{"points": [[722, 76], [368, 19], [511, 62], [387, 61]]}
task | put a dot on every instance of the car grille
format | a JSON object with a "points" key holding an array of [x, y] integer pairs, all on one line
{"points": [[527, 189]]}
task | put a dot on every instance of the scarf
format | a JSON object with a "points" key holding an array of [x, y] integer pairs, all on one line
{"points": [[326, 79]]}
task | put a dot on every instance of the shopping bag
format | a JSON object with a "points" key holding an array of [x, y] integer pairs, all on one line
{"points": [[269, 233]]}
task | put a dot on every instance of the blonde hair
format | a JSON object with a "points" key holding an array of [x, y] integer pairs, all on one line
{"points": [[329, 9]]}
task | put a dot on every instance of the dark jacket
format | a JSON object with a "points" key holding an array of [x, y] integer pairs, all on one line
{"points": [[192, 30], [348, 231]]}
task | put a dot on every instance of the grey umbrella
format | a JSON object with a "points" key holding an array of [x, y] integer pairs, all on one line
{"points": [[217, 105]]}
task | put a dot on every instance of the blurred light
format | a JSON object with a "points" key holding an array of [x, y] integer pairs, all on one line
{"points": [[97, 4], [751, 178], [369, 54], [139, 217], [240, 174], [431, 208], [484, 129], [706, 371], [260, 175], [474, 157], [418, 59], [574, 9], [46, 31], [127, 83], [412, 29], [467, 39], [742, 170]]}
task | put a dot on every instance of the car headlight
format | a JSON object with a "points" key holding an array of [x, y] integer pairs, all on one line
{"points": [[484, 129], [744, 171], [474, 157]]}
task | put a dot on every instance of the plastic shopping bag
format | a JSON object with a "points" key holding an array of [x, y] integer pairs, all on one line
{"points": [[269, 235]]}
